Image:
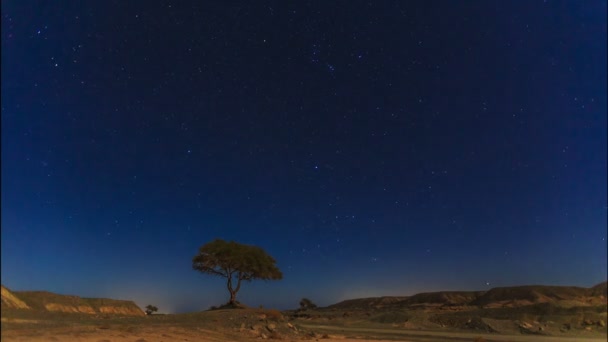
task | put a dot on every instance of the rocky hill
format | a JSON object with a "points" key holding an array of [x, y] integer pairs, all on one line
{"points": [[565, 296], [600, 290], [373, 302], [43, 301], [10, 301], [500, 297]]}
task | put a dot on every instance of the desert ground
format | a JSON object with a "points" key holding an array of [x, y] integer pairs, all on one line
{"points": [[525, 313], [245, 325]]}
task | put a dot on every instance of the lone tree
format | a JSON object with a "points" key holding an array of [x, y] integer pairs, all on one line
{"points": [[306, 303], [150, 309], [235, 262]]}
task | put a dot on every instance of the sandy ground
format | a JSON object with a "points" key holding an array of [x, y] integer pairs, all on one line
{"points": [[150, 335], [432, 336], [173, 334]]}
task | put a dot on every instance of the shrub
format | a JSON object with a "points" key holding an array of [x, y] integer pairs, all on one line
{"points": [[306, 303], [273, 314]]}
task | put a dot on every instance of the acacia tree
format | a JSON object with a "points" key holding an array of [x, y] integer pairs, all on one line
{"points": [[235, 262]]}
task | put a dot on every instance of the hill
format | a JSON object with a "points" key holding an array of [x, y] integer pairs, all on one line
{"points": [[43, 301], [499, 297], [10, 301], [600, 289]]}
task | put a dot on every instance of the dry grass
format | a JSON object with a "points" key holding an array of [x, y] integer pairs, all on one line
{"points": [[274, 315]]}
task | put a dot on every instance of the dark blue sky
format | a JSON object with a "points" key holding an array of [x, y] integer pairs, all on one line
{"points": [[373, 148]]}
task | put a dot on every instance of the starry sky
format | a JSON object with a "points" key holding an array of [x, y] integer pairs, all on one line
{"points": [[372, 147]]}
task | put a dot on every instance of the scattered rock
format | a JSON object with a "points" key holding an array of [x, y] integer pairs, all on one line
{"points": [[271, 327], [263, 336], [525, 325]]}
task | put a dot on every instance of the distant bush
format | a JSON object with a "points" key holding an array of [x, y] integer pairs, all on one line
{"points": [[151, 309], [306, 303], [213, 307]]}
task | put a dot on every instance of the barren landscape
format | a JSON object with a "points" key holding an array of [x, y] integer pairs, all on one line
{"points": [[526, 313], [423, 171]]}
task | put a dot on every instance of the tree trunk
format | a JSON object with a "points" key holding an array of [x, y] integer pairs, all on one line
{"points": [[232, 292]]}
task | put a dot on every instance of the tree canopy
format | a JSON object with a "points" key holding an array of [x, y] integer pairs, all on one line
{"points": [[235, 262]]}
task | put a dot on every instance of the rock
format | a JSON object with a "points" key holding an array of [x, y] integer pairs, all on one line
{"points": [[291, 326], [525, 325], [587, 322], [263, 336], [262, 317], [588, 328], [271, 327], [601, 323], [242, 327]]}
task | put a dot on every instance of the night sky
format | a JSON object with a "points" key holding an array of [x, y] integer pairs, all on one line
{"points": [[373, 148]]}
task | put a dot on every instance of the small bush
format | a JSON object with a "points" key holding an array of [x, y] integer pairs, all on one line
{"points": [[306, 303], [150, 309], [273, 314]]}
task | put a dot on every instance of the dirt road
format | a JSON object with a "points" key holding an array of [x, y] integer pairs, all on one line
{"points": [[437, 336]]}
